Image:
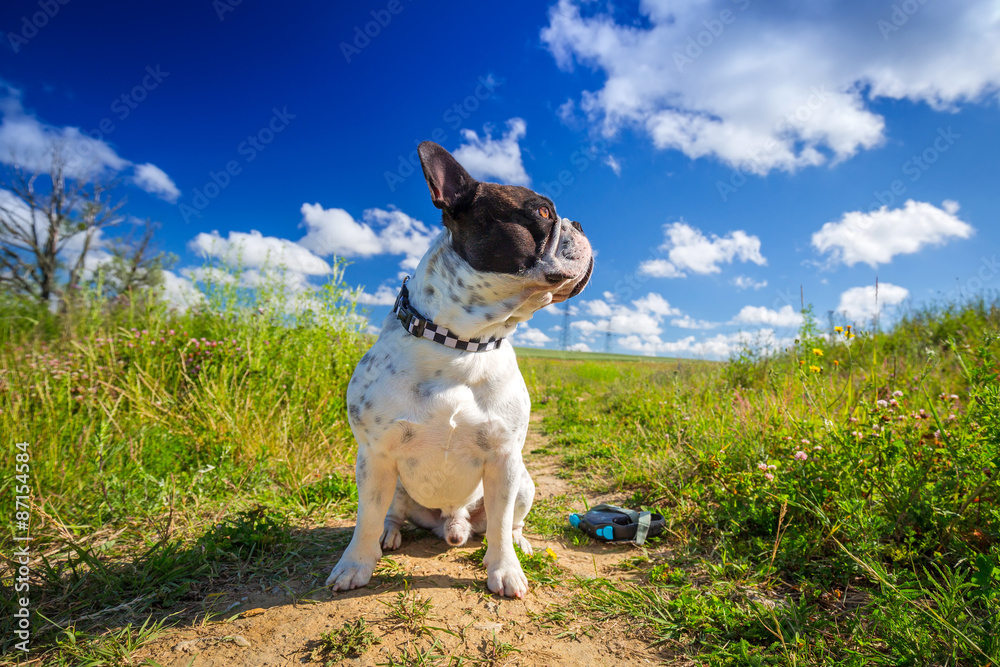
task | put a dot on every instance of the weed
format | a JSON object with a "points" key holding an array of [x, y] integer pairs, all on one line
{"points": [[247, 535], [351, 640], [410, 611]]}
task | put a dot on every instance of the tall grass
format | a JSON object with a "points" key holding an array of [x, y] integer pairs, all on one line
{"points": [[855, 461], [130, 406], [836, 503]]}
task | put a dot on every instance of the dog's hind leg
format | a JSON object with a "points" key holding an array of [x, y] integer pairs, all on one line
{"points": [[398, 511], [522, 503], [376, 477]]}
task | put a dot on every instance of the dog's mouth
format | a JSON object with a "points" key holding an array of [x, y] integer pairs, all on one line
{"points": [[583, 281]]}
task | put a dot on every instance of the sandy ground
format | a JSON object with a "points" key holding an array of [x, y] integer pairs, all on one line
{"points": [[472, 626]]}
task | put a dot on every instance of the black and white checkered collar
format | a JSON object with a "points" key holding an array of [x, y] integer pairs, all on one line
{"points": [[421, 327]]}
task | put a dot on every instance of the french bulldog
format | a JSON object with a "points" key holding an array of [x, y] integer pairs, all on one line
{"points": [[438, 405]]}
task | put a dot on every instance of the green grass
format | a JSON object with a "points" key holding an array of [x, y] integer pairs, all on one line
{"points": [[351, 640], [563, 355], [833, 504], [854, 470]]}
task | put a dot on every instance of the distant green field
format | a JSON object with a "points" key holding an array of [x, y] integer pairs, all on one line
{"points": [[539, 353]]}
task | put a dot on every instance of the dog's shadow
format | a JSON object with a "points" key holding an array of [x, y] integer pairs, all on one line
{"points": [[422, 561]]}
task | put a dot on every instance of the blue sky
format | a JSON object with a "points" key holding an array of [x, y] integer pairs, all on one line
{"points": [[720, 154]]}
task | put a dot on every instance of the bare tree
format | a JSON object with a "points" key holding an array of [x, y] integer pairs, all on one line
{"points": [[51, 232]]}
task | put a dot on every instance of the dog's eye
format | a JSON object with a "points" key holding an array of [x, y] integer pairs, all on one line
{"points": [[544, 212]]}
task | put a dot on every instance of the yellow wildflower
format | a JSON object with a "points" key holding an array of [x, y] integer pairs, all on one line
{"points": [[839, 329], [818, 352], [815, 369], [551, 554]]}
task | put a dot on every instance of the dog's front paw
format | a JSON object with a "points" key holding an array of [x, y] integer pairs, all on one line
{"points": [[391, 538], [507, 579], [349, 574]]}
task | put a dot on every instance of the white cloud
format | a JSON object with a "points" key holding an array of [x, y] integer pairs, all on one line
{"points": [[875, 238], [746, 282], [644, 317], [688, 250], [688, 322], [655, 304], [526, 335], [180, 292], [256, 251], [29, 142], [767, 86], [720, 346], [859, 303], [615, 165], [495, 158], [784, 317], [209, 275], [154, 180], [333, 231], [383, 296], [579, 347]]}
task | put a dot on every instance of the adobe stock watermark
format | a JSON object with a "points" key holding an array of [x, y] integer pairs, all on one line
{"points": [[581, 159], [121, 108], [362, 36], [30, 25], [704, 39], [901, 14], [915, 168], [454, 116], [21, 557], [987, 271], [626, 288], [790, 123], [248, 150], [223, 7]]}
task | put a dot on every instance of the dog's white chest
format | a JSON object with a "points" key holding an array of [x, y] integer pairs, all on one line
{"points": [[441, 423]]}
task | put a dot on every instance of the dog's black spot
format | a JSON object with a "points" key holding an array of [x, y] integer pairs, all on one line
{"points": [[467, 308], [412, 463], [408, 434], [362, 469], [483, 439], [378, 419], [423, 390], [429, 291], [452, 295], [438, 373], [354, 412], [488, 315], [459, 282], [368, 405]]}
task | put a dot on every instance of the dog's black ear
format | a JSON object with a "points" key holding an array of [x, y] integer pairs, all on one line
{"points": [[448, 181]]}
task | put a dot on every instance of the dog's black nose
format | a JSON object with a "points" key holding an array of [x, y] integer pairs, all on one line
{"points": [[556, 277], [577, 226]]}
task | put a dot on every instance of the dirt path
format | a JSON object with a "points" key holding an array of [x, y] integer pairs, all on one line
{"points": [[464, 624]]}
